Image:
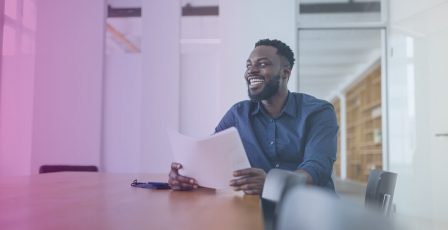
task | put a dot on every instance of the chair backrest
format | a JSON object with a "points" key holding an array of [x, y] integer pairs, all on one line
{"points": [[277, 180], [313, 208], [380, 190], [64, 168], [276, 183]]}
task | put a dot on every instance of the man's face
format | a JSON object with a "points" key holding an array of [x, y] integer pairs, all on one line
{"points": [[263, 73]]}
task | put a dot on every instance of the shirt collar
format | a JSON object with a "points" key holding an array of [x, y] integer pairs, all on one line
{"points": [[290, 107], [257, 109]]}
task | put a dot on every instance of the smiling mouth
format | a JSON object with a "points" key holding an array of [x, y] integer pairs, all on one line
{"points": [[255, 82]]}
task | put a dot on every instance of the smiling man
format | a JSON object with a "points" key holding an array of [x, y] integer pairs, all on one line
{"points": [[278, 128]]}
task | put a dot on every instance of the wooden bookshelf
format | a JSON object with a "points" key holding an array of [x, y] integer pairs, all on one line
{"points": [[337, 164], [364, 147]]}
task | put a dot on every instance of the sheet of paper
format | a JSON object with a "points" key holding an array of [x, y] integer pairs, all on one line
{"points": [[211, 160]]}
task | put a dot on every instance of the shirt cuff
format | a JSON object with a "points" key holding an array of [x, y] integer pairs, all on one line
{"points": [[310, 170]]}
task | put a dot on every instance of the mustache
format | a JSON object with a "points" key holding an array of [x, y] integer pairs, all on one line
{"points": [[271, 88]]}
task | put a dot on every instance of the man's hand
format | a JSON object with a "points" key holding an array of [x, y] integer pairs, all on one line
{"points": [[179, 182], [250, 180]]}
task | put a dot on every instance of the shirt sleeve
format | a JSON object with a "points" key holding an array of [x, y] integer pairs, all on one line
{"points": [[321, 145], [227, 121]]}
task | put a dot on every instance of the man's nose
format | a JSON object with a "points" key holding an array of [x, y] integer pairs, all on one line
{"points": [[253, 69]]}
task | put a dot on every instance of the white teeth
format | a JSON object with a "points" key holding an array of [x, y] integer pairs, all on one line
{"points": [[255, 81]]}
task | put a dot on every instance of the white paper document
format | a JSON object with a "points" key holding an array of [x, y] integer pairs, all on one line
{"points": [[211, 160]]}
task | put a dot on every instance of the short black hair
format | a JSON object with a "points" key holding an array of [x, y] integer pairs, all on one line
{"points": [[282, 49]]}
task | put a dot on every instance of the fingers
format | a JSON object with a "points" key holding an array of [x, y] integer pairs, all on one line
{"points": [[176, 166], [248, 172], [250, 185], [253, 192], [238, 182], [176, 185], [250, 189], [248, 176], [179, 182], [243, 180], [250, 180]]}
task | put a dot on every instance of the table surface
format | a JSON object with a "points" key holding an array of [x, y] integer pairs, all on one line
{"points": [[81, 200]]}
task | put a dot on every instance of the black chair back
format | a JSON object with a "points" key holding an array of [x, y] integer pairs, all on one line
{"points": [[277, 182], [380, 190], [65, 168], [313, 208]]}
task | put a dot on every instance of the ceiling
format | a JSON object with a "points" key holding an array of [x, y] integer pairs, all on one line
{"points": [[329, 60]]}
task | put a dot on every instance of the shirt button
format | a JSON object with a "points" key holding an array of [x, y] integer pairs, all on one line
{"points": [[272, 120], [277, 165], [272, 142]]}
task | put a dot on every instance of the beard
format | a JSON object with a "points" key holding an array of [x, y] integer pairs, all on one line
{"points": [[270, 89]]}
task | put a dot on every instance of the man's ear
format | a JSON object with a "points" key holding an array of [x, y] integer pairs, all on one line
{"points": [[286, 72]]}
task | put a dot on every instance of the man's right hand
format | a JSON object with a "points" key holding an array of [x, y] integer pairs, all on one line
{"points": [[179, 182]]}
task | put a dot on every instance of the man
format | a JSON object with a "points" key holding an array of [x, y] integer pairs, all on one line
{"points": [[278, 128]]}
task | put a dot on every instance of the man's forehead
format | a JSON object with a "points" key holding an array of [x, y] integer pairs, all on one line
{"points": [[260, 52]]}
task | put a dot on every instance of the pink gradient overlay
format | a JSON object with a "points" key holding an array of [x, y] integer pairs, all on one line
{"points": [[17, 86], [51, 84]]}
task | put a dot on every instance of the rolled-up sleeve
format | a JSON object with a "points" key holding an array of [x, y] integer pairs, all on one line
{"points": [[227, 121], [321, 145]]}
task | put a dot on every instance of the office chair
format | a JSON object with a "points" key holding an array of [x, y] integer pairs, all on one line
{"points": [[276, 183], [64, 168], [313, 208], [380, 190]]}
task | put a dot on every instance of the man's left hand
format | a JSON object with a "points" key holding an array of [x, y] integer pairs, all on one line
{"points": [[250, 180]]}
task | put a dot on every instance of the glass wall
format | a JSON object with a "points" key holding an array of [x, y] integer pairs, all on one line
{"points": [[418, 113], [341, 59]]}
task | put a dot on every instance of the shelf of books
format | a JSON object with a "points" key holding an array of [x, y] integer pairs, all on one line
{"points": [[363, 106]]}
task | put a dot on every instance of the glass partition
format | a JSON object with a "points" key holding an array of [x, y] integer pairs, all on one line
{"points": [[344, 67]]}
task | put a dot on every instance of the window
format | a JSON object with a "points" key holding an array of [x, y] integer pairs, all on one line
{"points": [[19, 27], [123, 26]]}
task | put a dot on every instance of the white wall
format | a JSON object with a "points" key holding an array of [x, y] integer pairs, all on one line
{"points": [[200, 60], [198, 89], [160, 82], [68, 82], [126, 96], [417, 91], [16, 114], [122, 113]]}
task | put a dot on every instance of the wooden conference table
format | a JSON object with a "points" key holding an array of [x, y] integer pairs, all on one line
{"points": [[80, 200]]}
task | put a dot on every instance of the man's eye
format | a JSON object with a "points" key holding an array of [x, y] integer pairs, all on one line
{"points": [[248, 66], [262, 65]]}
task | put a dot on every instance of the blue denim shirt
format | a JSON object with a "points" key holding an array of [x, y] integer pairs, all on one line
{"points": [[304, 136]]}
